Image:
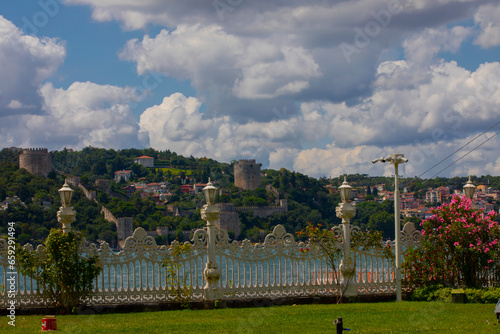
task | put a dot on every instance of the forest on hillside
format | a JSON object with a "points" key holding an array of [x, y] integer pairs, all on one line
{"points": [[308, 198]]}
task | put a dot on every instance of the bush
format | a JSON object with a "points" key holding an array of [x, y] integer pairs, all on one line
{"points": [[62, 271], [443, 294], [431, 293], [460, 247]]}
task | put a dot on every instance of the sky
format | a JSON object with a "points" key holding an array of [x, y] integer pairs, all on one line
{"points": [[319, 87]]}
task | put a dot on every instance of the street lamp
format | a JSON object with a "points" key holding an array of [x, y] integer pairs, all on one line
{"points": [[345, 191], [396, 159], [346, 212], [209, 192], [66, 215], [211, 213], [469, 190]]}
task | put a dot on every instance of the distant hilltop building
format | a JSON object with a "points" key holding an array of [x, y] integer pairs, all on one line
{"points": [[37, 161], [145, 161], [247, 174], [122, 174]]}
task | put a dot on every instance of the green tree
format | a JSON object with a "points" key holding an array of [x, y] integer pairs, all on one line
{"points": [[384, 222], [177, 273], [331, 247], [65, 274]]}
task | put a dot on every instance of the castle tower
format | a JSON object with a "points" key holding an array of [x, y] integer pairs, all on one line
{"points": [[247, 174], [37, 161]]}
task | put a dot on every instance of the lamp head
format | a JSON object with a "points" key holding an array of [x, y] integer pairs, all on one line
{"points": [[469, 189], [210, 191], [345, 191], [65, 193]]}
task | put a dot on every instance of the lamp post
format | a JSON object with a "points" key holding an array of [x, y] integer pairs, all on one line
{"points": [[346, 211], [66, 215], [211, 213], [469, 190], [396, 159]]}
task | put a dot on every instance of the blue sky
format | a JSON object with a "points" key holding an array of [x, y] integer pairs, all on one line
{"points": [[321, 88]]}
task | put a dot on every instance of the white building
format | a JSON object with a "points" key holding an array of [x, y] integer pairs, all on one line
{"points": [[145, 161]]}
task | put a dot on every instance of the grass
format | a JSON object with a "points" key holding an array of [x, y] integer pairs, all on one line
{"points": [[390, 317], [175, 171]]}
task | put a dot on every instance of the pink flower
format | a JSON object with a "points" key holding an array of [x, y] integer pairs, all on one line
{"points": [[456, 243]]}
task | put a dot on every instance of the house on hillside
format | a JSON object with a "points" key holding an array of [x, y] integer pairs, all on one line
{"points": [[122, 174], [145, 161]]}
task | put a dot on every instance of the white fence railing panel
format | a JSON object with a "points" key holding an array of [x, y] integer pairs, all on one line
{"points": [[277, 267]]}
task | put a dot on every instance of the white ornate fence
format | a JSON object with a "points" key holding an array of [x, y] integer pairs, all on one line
{"points": [[275, 268]]}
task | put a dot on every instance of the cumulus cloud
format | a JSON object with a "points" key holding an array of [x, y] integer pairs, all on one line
{"points": [[82, 115], [25, 62], [251, 57], [488, 18], [424, 46], [273, 82], [434, 115]]}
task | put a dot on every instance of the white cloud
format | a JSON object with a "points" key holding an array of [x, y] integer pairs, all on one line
{"points": [[424, 46], [270, 79], [488, 18], [273, 84], [25, 62], [84, 114]]}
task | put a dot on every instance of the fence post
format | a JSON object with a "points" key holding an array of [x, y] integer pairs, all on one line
{"points": [[211, 213]]}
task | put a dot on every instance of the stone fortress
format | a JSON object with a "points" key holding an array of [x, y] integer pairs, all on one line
{"points": [[247, 174], [37, 161], [247, 177]]}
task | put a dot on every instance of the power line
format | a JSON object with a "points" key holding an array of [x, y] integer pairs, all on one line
{"points": [[470, 141], [475, 148], [447, 157]]}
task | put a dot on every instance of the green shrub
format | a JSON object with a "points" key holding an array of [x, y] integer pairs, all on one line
{"points": [[65, 275], [431, 293], [491, 295], [440, 293], [178, 273]]}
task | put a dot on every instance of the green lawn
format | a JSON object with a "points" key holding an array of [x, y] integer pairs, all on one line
{"points": [[175, 171], [389, 317]]}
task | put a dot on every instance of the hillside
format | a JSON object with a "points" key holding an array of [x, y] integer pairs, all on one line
{"points": [[309, 199]]}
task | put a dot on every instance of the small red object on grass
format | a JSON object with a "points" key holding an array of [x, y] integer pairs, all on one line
{"points": [[49, 323]]}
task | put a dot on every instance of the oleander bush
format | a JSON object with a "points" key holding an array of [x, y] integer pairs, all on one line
{"points": [[460, 247]]}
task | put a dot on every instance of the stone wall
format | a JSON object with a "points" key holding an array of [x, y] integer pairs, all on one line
{"points": [[124, 225], [247, 174], [229, 219], [90, 194], [229, 214], [265, 211], [37, 161]]}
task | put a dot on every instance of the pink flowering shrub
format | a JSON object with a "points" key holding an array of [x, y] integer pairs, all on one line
{"points": [[460, 247]]}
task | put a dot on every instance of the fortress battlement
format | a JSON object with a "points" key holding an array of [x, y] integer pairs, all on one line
{"points": [[35, 150], [37, 161], [246, 161]]}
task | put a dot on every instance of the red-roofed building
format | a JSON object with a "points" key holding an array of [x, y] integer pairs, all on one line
{"points": [[187, 189], [145, 161], [129, 190]]}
